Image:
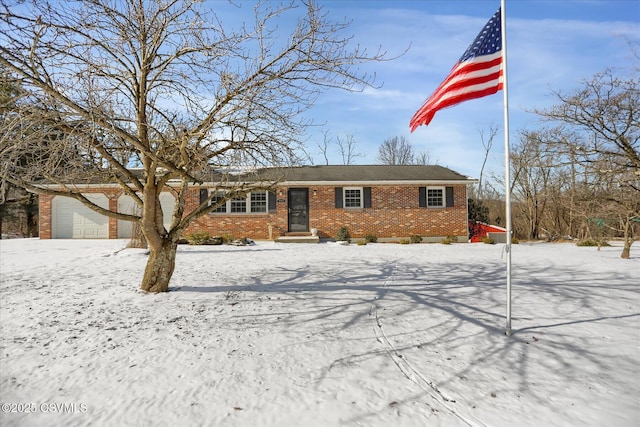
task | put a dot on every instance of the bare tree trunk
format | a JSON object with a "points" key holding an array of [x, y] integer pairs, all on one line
{"points": [[160, 266], [628, 240], [626, 250]]}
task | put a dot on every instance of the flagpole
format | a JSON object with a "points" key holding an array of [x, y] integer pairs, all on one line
{"points": [[507, 160]]}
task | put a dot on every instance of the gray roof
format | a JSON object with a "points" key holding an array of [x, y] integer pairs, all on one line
{"points": [[318, 175], [363, 173]]}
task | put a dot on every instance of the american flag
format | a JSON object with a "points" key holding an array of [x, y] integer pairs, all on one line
{"points": [[477, 73]]}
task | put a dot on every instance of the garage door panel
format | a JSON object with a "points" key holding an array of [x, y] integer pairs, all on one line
{"points": [[74, 220]]}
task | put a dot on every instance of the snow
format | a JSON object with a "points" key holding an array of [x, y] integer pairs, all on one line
{"points": [[319, 335]]}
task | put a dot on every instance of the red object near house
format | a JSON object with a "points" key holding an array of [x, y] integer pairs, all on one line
{"points": [[480, 230]]}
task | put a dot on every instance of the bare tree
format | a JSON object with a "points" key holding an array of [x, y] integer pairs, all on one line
{"points": [[600, 124], [396, 151], [532, 170], [487, 145], [160, 84], [605, 117], [18, 208], [422, 158], [348, 148], [478, 210], [324, 147]]}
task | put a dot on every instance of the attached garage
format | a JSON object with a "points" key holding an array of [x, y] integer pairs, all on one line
{"points": [[73, 220]]}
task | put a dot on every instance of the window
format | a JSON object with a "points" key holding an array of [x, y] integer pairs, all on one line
{"points": [[435, 197], [254, 202], [353, 197], [259, 201], [238, 205], [219, 196]]}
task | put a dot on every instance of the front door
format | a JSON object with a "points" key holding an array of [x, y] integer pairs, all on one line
{"points": [[298, 209]]}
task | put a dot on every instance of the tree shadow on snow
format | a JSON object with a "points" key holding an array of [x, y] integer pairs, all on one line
{"points": [[434, 312]]}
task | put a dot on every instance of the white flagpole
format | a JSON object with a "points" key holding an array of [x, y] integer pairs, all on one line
{"points": [[507, 159]]}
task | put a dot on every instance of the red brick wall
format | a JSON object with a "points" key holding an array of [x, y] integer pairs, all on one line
{"points": [[395, 213], [44, 215]]}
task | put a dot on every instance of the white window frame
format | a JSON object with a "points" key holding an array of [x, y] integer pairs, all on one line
{"points": [[344, 197], [443, 191], [247, 204]]}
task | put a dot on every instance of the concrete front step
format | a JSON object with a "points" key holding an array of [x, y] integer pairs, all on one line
{"points": [[298, 239]]}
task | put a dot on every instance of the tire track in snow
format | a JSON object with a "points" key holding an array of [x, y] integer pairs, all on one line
{"points": [[407, 369]]}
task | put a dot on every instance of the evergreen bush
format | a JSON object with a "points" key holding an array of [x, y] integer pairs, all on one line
{"points": [[343, 234]]}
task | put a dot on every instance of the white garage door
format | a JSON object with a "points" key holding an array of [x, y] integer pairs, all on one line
{"points": [[73, 220], [127, 205]]}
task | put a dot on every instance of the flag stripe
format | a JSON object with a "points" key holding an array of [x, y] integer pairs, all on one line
{"points": [[472, 66], [457, 99], [460, 87], [478, 73], [465, 80]]}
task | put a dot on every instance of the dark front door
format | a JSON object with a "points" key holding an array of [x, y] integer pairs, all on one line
{"points": [[298, 209]]}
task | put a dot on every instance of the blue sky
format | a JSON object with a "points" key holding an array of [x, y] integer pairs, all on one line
{"points": [[552, 45]]}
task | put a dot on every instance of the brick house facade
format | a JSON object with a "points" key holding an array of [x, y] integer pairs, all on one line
{"points": [[389, 202]]}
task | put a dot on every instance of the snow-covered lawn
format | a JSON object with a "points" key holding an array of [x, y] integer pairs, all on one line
{"points": [[319, 335]]}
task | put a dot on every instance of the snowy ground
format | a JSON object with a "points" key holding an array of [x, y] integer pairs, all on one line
{"points": [[319, 335]]}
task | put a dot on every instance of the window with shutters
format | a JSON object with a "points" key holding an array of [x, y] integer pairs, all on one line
{"points": [[435, 197], [352, 197]]}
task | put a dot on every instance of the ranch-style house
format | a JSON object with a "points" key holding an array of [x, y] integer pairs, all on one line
{"points": [[388, 202]]}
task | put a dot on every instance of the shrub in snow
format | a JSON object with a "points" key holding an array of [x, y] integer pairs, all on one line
{"points": [[592, 242], [203, 238], [198, 238], [343, 234]]}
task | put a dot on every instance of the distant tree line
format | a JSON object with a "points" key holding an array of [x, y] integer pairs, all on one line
{"points": [[578, 176]]}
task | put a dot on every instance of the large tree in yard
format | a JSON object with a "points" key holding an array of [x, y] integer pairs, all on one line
{"points": [[160, 85]]}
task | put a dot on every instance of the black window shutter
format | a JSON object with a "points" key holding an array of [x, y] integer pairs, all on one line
{"points": [[422, 198], [449, 191], [272, 201], [367, 197], [338, 197], [204, 194]]}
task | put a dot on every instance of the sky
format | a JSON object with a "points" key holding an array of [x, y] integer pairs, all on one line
{"points": [[552, 45]]}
